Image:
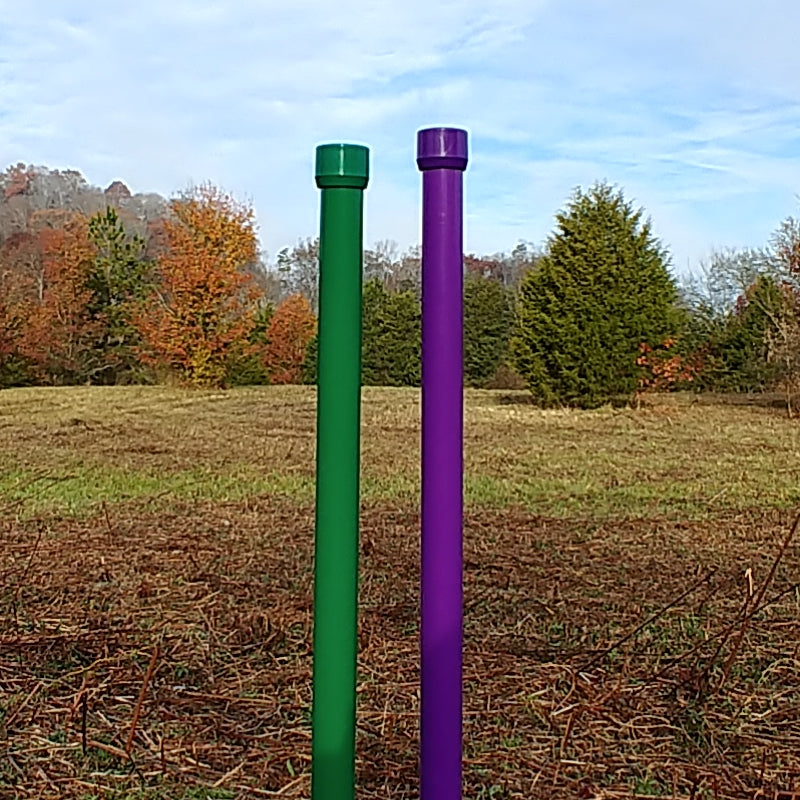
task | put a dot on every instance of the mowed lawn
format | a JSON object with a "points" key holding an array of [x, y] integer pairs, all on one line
{"points": [[68, 450], [632, 596]]}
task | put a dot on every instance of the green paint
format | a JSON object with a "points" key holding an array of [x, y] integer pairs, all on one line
{"points": [[342, 172]]}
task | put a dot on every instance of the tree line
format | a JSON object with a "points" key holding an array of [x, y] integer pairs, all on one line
{"points": [[107, 287]]}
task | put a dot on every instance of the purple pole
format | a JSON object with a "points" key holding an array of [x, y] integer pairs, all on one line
{"points": [[442, 157]]}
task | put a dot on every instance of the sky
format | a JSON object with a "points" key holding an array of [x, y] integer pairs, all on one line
{"points": [[691, 107]]}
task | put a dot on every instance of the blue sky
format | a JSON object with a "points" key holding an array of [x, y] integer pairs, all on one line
{"points": [[691, 106]]}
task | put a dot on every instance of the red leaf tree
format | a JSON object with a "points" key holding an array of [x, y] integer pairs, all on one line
{"points": [[291, 328]]}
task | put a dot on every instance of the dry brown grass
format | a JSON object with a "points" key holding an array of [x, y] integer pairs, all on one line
{"points": [[680, 458], [223, 591], [153, 651]]}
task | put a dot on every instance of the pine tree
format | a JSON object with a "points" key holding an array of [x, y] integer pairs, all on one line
{"points": [[740, 353], [391, 337], [487, 327], [308, 371], [602, 288], [373, 356], [248, 366], [117, 280]]}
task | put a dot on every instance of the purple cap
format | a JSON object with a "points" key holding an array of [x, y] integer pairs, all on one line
{"points": [[442, 148]]}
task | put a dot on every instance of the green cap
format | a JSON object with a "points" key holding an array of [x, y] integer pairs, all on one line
{"points": [[342, 166]]}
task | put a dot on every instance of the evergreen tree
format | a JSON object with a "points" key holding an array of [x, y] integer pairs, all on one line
{"points": [[403, 338], [391, 334], [391, 337], [14, 368], [308, 371], [602, 288], [250, 368], [739, 353], [487, 327], [373, 360], [117, 277]]}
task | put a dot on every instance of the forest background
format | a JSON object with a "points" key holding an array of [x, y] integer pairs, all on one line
{"points": [[106, 287]]}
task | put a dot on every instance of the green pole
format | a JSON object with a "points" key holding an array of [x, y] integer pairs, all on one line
{"points": [[342, 172]]}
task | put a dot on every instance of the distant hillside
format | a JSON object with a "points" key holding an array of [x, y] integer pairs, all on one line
{"points": [[30, 194]]}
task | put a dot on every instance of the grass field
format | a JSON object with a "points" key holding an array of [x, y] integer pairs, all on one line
{"points": [[632, 619]]}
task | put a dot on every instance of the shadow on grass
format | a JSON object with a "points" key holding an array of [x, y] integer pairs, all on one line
{"points": [[774, 400]]}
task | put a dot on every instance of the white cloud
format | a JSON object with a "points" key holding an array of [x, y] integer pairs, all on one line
{"points": [[692, 106]]}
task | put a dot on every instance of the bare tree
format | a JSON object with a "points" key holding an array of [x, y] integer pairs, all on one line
{"points": [[407, 271], [298, 269], [783, 347], [148, 206], [725, 277], [381, 261]]}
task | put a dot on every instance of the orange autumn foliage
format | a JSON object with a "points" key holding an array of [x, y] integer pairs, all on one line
{"points": [[54, 330], [665, 369], [291, 328], [201, 313]]}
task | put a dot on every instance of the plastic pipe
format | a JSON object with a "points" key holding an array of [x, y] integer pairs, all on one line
{"points": [[442, 158], [342, 173]]}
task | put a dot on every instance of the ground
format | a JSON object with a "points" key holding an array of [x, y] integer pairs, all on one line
{"points": [[632, 611]]}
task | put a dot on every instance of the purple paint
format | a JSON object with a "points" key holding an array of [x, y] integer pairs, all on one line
{"points": [[442, 157]]}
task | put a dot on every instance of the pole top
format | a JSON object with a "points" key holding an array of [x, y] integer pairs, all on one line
{"points": [[442, 148], [342, 166]]}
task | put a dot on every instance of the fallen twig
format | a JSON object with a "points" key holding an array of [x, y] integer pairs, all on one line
{"points": [[138, 710], [652, 618]]}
